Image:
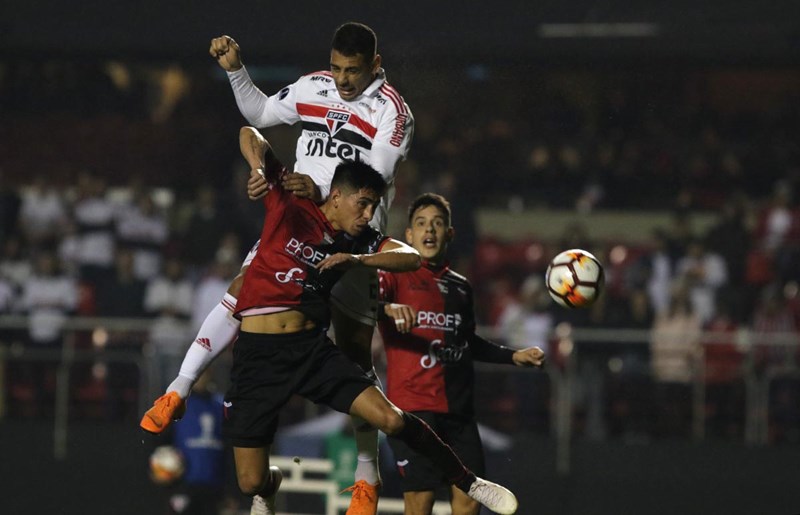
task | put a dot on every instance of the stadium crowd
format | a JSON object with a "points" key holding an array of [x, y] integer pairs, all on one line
{"points": [[132, 204]]}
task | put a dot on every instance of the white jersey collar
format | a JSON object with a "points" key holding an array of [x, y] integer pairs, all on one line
{"points": [[376, 84]]}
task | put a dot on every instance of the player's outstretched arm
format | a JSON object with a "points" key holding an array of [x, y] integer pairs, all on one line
{"points": [[227, 53], [395, 256]]}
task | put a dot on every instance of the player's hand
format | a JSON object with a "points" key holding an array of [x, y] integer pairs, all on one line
{"points": [[302, 186], [342, 261], [257, 186], [404, 316], [530, 357], [227, 53]]}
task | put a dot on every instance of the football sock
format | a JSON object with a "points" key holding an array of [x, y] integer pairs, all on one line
{"points": [[419, 436], [367, 445], [218, 330]]}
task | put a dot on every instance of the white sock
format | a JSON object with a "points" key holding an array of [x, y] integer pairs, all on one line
{"points": [[367, 447], [219, 330]]}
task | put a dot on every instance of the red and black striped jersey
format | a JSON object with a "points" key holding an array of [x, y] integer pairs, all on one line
{"points": [[430, 368], [295, 237]]}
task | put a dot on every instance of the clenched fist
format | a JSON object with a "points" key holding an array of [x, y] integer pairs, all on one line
{"points": [[226, 51]]}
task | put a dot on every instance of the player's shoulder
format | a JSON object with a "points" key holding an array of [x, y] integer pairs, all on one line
{"points": [[371, 239], [457, 279], [321, 79], [393, 100]]}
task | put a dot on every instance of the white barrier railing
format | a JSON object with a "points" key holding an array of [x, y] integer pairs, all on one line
{"points": [[301, 475], [566, 345]]}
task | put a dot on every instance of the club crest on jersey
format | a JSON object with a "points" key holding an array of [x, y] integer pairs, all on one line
{"points": [[336, 120]]}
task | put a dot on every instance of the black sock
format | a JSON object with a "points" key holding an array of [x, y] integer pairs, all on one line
{"points": [[419, 436]]}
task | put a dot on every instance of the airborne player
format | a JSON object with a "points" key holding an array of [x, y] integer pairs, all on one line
{"points": [[350, 112]]}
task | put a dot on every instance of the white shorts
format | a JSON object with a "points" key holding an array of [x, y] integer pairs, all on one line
{"points": [[355, 294]]}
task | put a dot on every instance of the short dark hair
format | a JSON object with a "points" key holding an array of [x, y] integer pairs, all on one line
{"points": [[429, 199], [355, 175], [354, 38]]}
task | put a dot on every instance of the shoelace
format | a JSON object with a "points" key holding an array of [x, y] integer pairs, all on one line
{"points": [[357, 489], [486, 493]]}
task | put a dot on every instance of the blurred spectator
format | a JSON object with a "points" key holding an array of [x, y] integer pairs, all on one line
{"points": [[7, 296], [142, 227], [122, 293], [15, 264], [207, 224], [777, 235], [775, 333], [529, 322], [48, 298], [679, 234], [703, 273], [724, 373], [42, 214], [94, 217], [69, 249], [673, 348], [654, 271], [730, 238]]}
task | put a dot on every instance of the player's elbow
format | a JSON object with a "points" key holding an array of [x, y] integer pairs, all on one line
{"points": [[246, 132], [414, 262]]}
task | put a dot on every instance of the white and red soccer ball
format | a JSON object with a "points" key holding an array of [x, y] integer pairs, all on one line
{"points": [[574, 278]]}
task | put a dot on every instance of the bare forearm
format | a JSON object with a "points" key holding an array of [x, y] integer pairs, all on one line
{"points": [[253, 146], [395, 260]]}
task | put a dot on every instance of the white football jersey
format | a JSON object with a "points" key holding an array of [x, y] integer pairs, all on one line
{"points": [[376, 127]]}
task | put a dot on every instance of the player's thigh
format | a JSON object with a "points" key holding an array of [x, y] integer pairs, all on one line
{"points": [[419, 502], [462, 504]]}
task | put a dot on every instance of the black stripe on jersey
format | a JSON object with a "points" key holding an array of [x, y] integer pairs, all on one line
{"points": [[343, 135], [353, 138], [314, 127]]}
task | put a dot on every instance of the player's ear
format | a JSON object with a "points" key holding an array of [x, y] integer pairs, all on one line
{"points": [[450, 234], [335, 197], [376, 63], [409, 235]]}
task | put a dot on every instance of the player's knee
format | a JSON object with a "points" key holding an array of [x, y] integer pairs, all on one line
{"points": [[391, 421], [251, 482], [236, 285]]}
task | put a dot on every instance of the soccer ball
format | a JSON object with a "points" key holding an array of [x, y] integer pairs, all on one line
{"points": [[574, 278], [166, 464]]}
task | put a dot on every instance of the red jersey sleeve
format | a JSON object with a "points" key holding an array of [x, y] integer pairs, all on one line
{"points": [[388, 286]]}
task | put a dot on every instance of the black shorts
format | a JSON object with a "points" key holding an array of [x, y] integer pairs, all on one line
{"points": [[268, 369], [418, 472]]}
